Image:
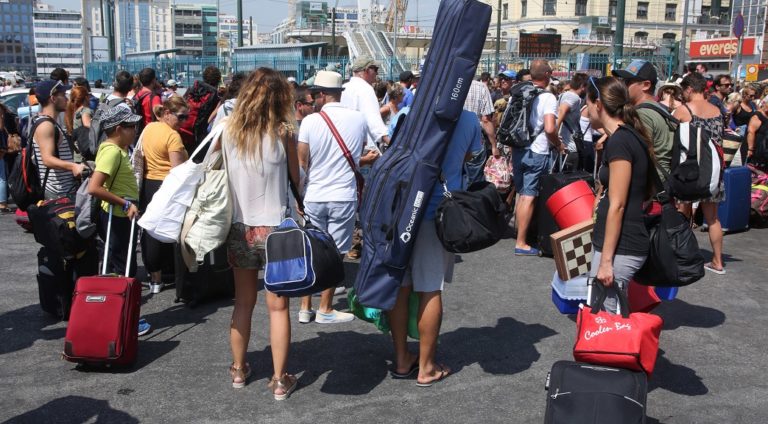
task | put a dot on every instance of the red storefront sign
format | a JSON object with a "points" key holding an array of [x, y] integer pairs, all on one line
{"points": [[721, 47]]}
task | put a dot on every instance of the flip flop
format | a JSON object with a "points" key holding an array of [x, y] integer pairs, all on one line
{"points": [[527, 252], [708, 266], [443, 375], [401, 376]]}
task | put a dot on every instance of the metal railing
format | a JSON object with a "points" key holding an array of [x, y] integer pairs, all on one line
{"points": [[187, 70]]}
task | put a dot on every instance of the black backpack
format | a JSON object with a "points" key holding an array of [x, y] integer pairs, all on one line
{"points": [[24, 183], [515, 127]]}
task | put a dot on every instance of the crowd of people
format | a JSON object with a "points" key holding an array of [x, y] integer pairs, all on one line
{"points": [[322, 135]]}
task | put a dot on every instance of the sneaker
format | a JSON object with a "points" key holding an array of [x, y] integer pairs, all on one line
{"points": [[144, 327], [155, 288], [306, 316], [334, 317], [146, 284]]}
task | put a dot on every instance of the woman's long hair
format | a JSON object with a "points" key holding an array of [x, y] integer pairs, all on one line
{"points": [[614, 96], [77, 98], [264, 107]]}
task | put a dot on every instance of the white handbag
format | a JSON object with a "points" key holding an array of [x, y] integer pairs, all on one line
{"points": [[137, 162], [165, 214], [209, 218]]}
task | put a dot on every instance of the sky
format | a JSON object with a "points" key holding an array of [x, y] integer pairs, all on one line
{"points": [[268, 13]]}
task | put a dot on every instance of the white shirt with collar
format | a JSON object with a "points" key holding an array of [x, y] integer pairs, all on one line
{"points": [[329, 177], [359, 95]]}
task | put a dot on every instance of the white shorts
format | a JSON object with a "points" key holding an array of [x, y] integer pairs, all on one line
{"points": [[431, 265], [335, 218]]}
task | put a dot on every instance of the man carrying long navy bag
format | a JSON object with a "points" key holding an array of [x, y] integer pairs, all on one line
{"points": [[401, 182]]}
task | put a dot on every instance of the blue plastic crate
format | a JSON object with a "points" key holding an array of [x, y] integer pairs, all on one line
{"points": [[666, 293], [566, 306]]}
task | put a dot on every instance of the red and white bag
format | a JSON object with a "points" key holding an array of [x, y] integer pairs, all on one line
{"points": [[628, 340], [498, 171]]}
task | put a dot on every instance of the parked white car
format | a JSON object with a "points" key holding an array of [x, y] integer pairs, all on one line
{"points": [[17, 100]]}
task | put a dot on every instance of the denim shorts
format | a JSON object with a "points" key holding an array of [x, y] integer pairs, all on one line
{"points": [[527, 168]]}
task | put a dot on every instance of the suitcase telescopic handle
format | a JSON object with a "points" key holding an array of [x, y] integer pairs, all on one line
{"points": [[106, 244]]}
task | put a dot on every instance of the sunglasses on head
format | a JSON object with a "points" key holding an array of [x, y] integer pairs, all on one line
{"points": [[592, 81], [55, 87]]}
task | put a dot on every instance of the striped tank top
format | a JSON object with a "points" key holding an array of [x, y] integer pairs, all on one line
{"points": [[59, 181]]}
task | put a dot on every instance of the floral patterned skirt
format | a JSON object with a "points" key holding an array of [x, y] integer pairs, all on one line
{"points": [[245, 246]]}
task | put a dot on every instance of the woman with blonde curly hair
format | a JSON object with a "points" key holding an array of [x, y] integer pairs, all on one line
{"points": [[260, 147]]}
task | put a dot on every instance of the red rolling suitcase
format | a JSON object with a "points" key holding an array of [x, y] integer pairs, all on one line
{"points": [[104, 320]]}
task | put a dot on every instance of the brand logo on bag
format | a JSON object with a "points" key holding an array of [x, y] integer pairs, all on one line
{"points": [[601, 320], [405, 237], [95, 299], [617, 326]]}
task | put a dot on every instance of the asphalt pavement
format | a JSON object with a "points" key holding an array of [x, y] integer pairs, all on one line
{"points": [[501, 334]]}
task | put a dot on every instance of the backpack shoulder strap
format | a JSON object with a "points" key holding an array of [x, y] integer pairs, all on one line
{"points": [[660, 110]]}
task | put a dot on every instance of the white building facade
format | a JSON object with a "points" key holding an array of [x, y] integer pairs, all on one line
{"points": [[58, 36], [137, 26]]}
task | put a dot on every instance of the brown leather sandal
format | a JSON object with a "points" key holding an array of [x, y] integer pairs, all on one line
{"points": [[283, 387], [239, 375]]}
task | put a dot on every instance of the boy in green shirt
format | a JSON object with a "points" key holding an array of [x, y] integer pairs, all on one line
{"points": [[114, 184]]}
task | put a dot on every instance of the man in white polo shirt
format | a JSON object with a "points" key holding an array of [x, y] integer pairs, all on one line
{"points": [[331, 194], [359, 95]]}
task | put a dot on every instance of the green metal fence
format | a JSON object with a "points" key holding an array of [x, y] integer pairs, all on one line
{"points": [[187, 70]]}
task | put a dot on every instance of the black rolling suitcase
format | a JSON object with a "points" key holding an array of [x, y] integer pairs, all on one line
{"points": [[400, 184], [594, 394], [54, 283], [543, 224], [214, 279], [56, 278]]}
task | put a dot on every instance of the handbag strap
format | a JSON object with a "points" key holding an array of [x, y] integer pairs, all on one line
{"points": [[602, 294], [347, 154]]}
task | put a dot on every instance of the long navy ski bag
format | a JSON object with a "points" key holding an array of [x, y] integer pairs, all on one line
{"points": [[401, 182]]}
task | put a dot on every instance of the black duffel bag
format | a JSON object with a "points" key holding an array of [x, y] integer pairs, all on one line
{"points": [[471, 220], [53, 224], [674, 259]]}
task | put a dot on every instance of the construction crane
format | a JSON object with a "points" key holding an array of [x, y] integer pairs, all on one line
{"points": [[395, 15]]}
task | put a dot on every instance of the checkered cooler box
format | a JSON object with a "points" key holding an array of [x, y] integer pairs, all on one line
{"points": [[572, 249]]}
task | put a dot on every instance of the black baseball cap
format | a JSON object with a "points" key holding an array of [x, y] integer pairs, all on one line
{"points": [[638, 69]]}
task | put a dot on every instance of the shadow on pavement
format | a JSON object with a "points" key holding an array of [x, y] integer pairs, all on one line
{"points": [[676, 378], [678, 313], [354, 361], [726, 257], [24, 326], [75, 409], [178, 318], [506, 349]]}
